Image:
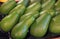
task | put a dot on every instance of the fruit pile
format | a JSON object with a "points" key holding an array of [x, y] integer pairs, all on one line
{"points": [[39, 16]]}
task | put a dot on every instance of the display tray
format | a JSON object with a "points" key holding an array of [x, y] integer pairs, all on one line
{"points": [[4, 35]]}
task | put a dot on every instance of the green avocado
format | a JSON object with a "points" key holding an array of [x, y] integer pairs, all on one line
{"points": [[48, 4], [55, 25], [33, 7], [21, 29], [10, 20], [57, 7], [40, 26], [7, 6]]}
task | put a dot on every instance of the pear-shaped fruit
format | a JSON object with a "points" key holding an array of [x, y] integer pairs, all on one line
{"points": [[21, 29]]}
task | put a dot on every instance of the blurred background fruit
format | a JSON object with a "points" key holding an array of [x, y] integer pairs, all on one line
{"points": [[3, 0]]}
